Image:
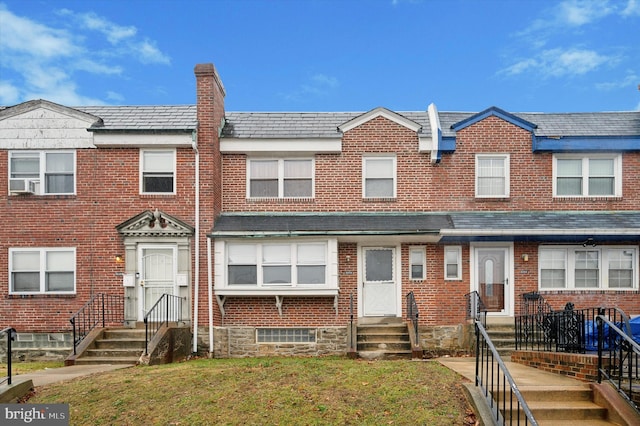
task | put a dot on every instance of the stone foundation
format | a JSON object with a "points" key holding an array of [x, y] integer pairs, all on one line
{"points": [[447, 340], [38, 347], [240, 342]]}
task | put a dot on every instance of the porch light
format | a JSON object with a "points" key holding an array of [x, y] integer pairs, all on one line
{"points": [[589, 242], [525, 257], [119, 258]]}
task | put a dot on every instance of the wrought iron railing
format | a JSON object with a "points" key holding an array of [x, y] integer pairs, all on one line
{"points": [[567, 330], [534, 303], [476, 309], [618, 357], [167, 309], [101, 310], [506, 403], [11, 336], [413, 314]]}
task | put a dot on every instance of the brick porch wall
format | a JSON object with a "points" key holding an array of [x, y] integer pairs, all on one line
{"points": [[578, 366]]}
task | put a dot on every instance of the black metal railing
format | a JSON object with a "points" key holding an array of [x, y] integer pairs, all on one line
{"points": [[618, 357], [413, 314], [101, 310], [568, 330], [476, 309], [534, 304], [506, 403], [167, 309], [11, 336], [352, 333]]}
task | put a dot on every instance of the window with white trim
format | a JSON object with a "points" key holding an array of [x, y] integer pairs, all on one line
{"points": [[280, 178], [587, 268], [594, 175], [277, 264], [158, 171], [42, 270], [492, 175], [417, 263], [378, 177], [453, 263], [42, 172]]}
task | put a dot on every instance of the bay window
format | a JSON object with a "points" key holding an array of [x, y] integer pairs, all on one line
{"points": [[592, 268]]}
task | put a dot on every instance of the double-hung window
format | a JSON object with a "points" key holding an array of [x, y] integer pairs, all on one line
{"points": [[158, 171], [596, 175], [276, 264], [453, 263], [280, 178], [417, 263], [379, 177], [42, 271], [42, 172], [587, 268], [492, 175]]}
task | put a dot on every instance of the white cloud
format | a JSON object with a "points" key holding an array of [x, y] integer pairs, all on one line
{"points": [[581, 12], [9, 94], [560, 63], [629, 81], [44, 61], [632, 9], [113, 32], [150, 54], [319, 85]]}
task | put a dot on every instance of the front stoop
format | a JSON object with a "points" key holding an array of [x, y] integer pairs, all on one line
{"points": [[503, 337], [563, 405], [384, 340], [114, 346]]}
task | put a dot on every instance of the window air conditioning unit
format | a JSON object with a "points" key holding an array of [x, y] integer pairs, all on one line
{"points": [[24, 186]]}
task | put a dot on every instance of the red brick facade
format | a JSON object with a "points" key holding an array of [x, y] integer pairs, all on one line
{"points": [[108, 194]]}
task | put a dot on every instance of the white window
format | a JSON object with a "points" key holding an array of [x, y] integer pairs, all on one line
{"points": [[277, 264], [42, 172], [158, 171], [417, 263], [453, 263], [492, 175], [587, 268], [597, 175], [44, 270], [280, 178], [379, 177]]}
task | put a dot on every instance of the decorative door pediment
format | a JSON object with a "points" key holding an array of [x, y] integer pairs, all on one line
{"points": [[154, 224]]}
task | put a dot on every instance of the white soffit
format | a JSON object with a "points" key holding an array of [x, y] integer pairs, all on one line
{"points": [[379, 112], [263, 145], [125, 140]]}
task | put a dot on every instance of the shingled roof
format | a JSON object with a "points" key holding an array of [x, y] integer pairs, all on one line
{"points": [[153, 117]]}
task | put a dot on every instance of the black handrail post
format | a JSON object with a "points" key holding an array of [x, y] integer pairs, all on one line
{"points": [[11, 334]]}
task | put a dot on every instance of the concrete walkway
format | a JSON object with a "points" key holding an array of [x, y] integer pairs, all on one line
{"points": [[523, 375], [22, 384], [55, 375]]}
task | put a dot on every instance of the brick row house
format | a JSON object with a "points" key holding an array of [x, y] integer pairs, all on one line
{"points": [[277, 228]]}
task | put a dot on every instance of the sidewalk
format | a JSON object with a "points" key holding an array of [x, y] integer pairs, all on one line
{"points": [[21, 384]]}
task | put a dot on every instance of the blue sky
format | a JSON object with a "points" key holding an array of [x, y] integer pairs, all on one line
{"points": [[326, 55]]}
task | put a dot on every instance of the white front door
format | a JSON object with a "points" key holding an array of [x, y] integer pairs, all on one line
{"points": [[157, 275], [379, 288], [492, 278]]}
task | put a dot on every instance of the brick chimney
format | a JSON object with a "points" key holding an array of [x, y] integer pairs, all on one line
{"points": [[210, 95]]}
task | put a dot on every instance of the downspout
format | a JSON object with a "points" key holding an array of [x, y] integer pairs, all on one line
{"points": [[196, 278], [209, 292]]}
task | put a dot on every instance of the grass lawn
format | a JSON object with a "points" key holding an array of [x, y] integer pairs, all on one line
{"points": [[267, 391]]}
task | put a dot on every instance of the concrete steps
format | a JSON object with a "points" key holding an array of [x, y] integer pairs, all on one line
{"points": [[114, 346], [384, 340], [562, 405], [503, 336]]}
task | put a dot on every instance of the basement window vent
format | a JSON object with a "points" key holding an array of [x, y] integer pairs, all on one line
{"points": [[24, 337], [286, 335], [56, 337]]}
